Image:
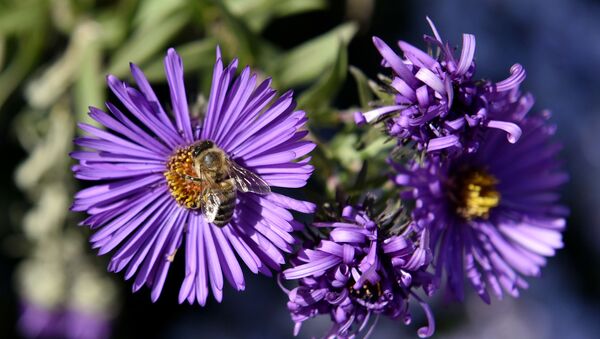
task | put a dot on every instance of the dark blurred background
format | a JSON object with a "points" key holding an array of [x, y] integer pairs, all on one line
{"points": [[557, 41]]}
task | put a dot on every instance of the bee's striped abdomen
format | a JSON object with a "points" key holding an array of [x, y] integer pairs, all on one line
{"points": [[227, 206]]}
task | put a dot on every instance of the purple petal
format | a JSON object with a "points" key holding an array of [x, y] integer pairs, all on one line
{"points": [[376, 113], [394, 61], [174, 72], [513, 130], [467, 54], [432, 80], [146, 89], [442, 142], [517, 76], [314, 267]]}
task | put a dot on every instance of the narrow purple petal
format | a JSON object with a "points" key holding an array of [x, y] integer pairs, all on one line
{"points": [[467, 54], [376, 113], [311, 268], [432, 80], [146, 89], [174, 72], [513, 130], [442, 142], [394, 61], [214, 265], [517, 76]]}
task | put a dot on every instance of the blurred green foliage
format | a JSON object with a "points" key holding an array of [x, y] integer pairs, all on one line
{"points": [[63, 49], [68, 46]]}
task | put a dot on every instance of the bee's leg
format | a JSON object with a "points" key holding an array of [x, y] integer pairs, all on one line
{"points": [[191, 178]]}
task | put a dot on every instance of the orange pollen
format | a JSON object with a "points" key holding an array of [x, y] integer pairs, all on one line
{"points": [[185, 191]]}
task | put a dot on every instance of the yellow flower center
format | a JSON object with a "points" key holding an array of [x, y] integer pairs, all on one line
{"points": [[368, 292], [184, 191], [477, 195]]}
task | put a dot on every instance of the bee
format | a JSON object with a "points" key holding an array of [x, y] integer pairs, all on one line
{"points": [[220, 178]]}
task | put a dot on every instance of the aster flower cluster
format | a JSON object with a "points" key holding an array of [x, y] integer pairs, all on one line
{"points": [[357, 274], [486, 183], [477, 197], [437, 101]]}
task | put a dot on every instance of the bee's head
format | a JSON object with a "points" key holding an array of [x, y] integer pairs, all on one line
{"points": [[201, 147]]}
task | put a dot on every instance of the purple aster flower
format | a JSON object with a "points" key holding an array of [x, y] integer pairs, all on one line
{"points": [[437, 102], [357, 275], [493, 215], [37, 321], [164, 179]]}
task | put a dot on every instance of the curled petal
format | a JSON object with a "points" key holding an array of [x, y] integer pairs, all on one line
{"points": [[513, 130], [426, 331], [517, 76]]}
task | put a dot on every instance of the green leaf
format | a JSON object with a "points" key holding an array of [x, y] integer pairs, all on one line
{"points": [[22, 16], [365, 94], [196, 55], [28, 52], [250, 47], [317, 98], [154, 12], [385, 96], [310, 60], [2, 51], [143, 45], [291, 7], [89, 84], [113, 29], [258, 13], [343, 147], [376, 148]]}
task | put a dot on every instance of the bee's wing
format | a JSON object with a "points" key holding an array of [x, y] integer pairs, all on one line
{"points": [[247, 181], [212, 199]]}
